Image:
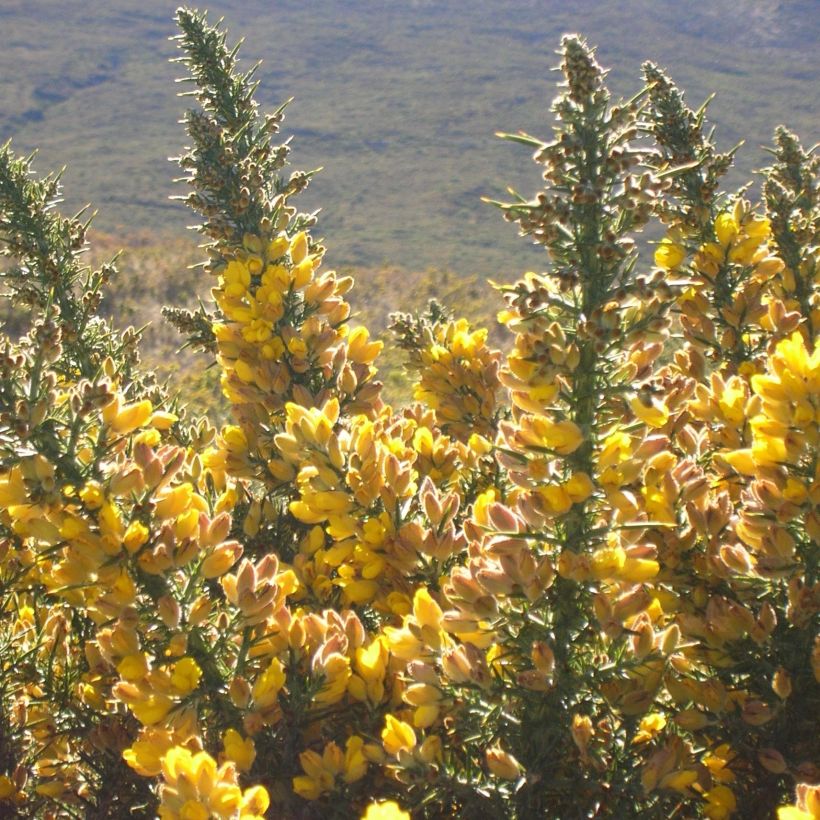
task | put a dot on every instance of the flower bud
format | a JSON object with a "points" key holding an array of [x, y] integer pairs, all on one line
{"points": [[502, 764]]}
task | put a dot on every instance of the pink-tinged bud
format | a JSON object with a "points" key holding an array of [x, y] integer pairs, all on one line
{"points": [[737, 559], [464, 586], [643, 638], [223, 557], [240, 692], [670, 639], [466, 664], [500, 545], [692, 719], [533, 680], [651, 446], [756, 713], [455, 622], [687, 440], [245, 578], [218, 530], [485, 607], [532, 511], [170, 469], [267, 568], [169, 611], [126, 482], [503, 519], [772, 761], [495, 580], [152, 472], [143, 454], [766, 622]]}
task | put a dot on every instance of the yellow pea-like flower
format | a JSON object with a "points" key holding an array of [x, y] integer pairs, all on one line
{"points": [[669, 254], [267, 686], [397, 735], [185, 676], [131, 417], [653, 413], [153, 709], [134, 667], [387, 810], [241, 751]]}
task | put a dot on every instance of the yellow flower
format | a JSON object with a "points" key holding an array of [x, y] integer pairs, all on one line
{"points": [[653, 412], [131, 417], [649, 726], [241, 751], [185, 676], [146, 753], [669, 254], [152, 709], [297, 347], [720, 802], [564, 437], [268, 685], [502, 764], [134, 667], [136, 535], [388, 810], [298, 247], [397, 735]]}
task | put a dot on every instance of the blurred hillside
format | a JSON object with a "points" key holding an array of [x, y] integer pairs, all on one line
{"points": [[397, 100]]}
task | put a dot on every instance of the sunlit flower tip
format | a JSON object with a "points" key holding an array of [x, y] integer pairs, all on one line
{"points": [[806, 806], [298, 247], [425, 610], [163, 420], [479, 444], [638, 570], [726, 228], [387, 810], [794, 813], [741, 461], [131, 417]]}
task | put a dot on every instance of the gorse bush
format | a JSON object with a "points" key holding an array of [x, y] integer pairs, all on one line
{"points": [[576, 579]]}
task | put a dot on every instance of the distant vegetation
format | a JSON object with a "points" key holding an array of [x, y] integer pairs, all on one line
{"points": [[397, 100]]}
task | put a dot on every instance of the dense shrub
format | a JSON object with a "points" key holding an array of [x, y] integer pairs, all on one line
{"points": [[576, 579]]}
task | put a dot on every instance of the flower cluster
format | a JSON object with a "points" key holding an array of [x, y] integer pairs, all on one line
{"points": [[576, 578]]}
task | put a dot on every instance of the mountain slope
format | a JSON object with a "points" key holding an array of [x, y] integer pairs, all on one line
{"points": [[397, 100]]}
